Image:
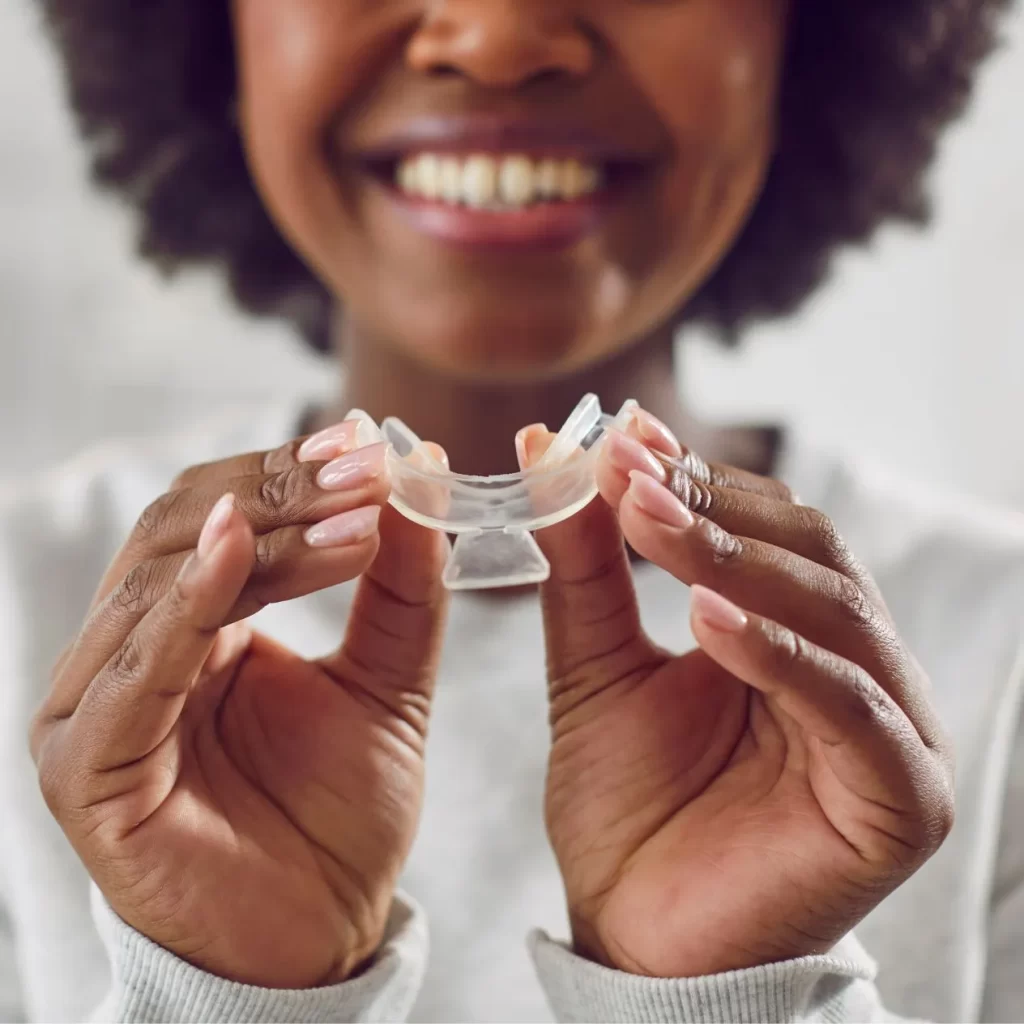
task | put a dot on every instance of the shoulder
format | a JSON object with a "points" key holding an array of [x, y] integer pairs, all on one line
{"points": [[60, 527]]}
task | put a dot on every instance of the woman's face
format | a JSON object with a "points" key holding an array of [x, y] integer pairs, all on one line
{"points": [[509, 188]]}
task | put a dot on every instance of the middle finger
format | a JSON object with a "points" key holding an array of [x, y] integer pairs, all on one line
{"points": [[304, 494]]}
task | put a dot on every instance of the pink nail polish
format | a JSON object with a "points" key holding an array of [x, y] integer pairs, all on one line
{"points": [[658, 502], [353, 469], [521, 453], [329, 443], [348, 528], [532, 443], [628, 455], [214, 527], [716, 612], [436, 452], [656, 435]]}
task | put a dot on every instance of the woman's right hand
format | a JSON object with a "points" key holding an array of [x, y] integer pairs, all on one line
{"points": [[243, 807]]}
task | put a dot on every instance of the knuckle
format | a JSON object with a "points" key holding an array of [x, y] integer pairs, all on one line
{"points": [[154, 517], [270, 549], [866, 699], [788, 650], [133, 594], [853, 603], [696, 496], [178, 600], [285, 494], [274, 495], [828, 540], [692, 465], [127, 664], [722, 546]]}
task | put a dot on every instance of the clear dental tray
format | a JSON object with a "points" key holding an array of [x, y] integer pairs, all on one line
{"points": [[493, 517]]}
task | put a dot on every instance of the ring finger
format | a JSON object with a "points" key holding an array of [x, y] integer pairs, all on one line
{"points": [[825, 606]]}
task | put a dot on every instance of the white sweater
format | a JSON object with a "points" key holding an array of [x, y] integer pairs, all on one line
{"points": [[949, 944]]}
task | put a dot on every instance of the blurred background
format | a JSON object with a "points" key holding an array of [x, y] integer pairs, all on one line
{"points": [[914, 353]]}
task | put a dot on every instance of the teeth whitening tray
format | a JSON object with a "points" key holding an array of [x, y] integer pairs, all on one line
{"points": [[493, 517]]}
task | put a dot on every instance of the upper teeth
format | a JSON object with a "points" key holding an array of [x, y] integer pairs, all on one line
{"points": [[484, 181]]}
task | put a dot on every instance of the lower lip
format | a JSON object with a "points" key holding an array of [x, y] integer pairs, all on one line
{"points": [[545, 226]]}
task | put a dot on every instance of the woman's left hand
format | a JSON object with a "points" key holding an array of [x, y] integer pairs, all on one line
{"points": [[751, 800]]}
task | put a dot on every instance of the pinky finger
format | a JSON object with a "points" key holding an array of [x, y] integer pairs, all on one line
{"points": [[870, 744]]}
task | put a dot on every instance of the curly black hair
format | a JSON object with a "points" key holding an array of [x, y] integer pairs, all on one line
{"points": [[868, 87]]}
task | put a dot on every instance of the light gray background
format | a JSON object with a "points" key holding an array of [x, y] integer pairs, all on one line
{"points": [[915, 352]]}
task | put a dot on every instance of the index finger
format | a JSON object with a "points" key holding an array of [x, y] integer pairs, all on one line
{"points": [[219, 475], [680, 462], [326, 445]]}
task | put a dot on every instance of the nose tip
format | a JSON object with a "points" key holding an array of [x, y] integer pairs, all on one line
{"points": [[501, 43]]}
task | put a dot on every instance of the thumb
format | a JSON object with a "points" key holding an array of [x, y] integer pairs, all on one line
{"points": [[393, 641], [591, 618]]}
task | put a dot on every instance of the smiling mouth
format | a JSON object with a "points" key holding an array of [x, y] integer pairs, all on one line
{"points": [[502, 182], [495, 200], [496, 182]]}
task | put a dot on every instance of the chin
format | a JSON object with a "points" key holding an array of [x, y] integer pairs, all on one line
{"points": [[502, 350]]}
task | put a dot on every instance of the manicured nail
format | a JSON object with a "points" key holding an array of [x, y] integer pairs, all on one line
{"points": [[629, 455], [716, 612], [656, 435], [531, 444], [658, 502], [215, 525], [427, 456], [355, 468], [329, 443], [348, 528]]}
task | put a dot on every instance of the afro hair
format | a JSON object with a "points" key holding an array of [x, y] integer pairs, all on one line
{"points": [[868, 88]]}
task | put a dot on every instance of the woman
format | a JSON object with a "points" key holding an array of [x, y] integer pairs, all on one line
{"points": [[486, 208]]}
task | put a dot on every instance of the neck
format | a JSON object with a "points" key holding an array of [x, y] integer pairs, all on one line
{"points": [[477, 422]]}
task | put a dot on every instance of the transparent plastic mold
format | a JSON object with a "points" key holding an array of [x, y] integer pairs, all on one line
{"points": [[493, 517]]}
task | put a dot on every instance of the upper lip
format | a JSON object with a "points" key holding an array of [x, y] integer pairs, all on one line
{"points": [[493, 134]]}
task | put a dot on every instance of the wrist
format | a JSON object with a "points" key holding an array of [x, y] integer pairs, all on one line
{"points": [[284, 956], [150, 983], [702, 957]]}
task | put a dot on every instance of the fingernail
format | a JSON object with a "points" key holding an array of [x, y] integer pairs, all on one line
{"points": [[531, 444], [629, 455], [658, 502], [329, 443], [715, 611], [436, 452], [348, 528], [655, 434], [355, 468], [215, 525]]}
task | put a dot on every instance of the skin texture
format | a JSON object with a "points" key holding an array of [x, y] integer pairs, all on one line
{"points": [[324, 81], [245, 808], [743, 803], [751, 800]]}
